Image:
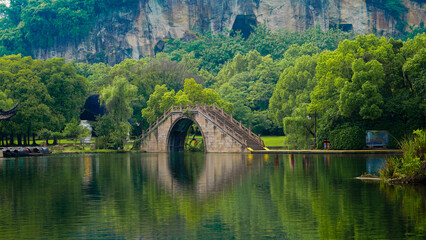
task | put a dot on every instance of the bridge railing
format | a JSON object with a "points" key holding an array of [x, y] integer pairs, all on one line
{"points": [[213, 110], [154, 125], [238, 123], [226, 127], [205, 109]]}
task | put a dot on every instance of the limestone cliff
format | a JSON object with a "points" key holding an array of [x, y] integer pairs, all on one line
{"points": [[133, 33]]}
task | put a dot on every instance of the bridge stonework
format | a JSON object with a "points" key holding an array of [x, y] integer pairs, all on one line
{"points": [[220, 132]]}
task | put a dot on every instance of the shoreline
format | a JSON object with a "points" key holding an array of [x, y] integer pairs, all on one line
{"points": [[322, 152], [385, 151]]}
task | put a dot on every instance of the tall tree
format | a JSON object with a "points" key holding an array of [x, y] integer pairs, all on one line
{"points": [[114, 126]]}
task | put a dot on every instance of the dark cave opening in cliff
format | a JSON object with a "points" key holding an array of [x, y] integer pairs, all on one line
{"points": [[244, 24], [346, 27], [159, 47]]}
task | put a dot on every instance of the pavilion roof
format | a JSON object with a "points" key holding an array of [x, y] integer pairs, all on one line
{"points": [[5, 115]]}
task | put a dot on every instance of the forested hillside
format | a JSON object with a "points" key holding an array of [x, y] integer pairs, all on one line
{"points": [[274, 82]]}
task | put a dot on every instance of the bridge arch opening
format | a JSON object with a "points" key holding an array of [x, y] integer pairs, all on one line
{"points": [[186, 135]]}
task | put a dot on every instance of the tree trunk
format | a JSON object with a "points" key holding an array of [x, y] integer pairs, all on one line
{"points": [[47, 141], [19, 137], [28, 134], [11, 139], [34, 141], [55, 141]]}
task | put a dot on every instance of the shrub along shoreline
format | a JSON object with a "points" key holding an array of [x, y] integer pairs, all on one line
{"points": [[411, 166]]}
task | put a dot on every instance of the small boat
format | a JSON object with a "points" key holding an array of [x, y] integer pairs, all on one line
{"points": [[25, 151]]}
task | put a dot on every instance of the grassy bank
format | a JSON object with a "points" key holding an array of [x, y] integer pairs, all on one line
{"points": [[274, 141], [411, 166]]}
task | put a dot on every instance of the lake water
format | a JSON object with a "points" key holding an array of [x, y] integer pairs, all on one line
{"points": [[204, 196]]}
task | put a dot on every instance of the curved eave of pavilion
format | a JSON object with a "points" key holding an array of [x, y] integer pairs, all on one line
{"points": [[5, 115]]}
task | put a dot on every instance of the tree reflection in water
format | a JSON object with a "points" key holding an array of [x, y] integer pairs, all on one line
{"points": [[203, 196]]}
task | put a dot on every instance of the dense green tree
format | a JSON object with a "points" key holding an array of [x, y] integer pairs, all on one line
{"points": [[368, 83], [155, 107], [5, 102], [215, 50], [293, 88], [362, 82], [193, 93], [118, 97], [44, 134], [50, 94], [65, 86], [111, 134], [288, 106], [114, 126], [248, 82], [74, 130], [98, 75], [362, 95]]}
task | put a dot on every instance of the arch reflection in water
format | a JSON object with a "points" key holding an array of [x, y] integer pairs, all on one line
{"points": [[180, 133], [201, 173]]}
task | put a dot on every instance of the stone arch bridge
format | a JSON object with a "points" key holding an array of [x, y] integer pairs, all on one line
{"points": [[220, 131]]}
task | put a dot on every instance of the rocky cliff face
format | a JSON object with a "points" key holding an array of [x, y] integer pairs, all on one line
{"points": [[134, 33]]}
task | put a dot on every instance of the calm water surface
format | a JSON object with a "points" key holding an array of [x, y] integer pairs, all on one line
{"points": [[204, 196]]}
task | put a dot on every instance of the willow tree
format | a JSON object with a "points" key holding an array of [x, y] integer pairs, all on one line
{"points": [[114, 126]]}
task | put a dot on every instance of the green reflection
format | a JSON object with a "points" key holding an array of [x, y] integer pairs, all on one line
{"points": [[203, 196]]}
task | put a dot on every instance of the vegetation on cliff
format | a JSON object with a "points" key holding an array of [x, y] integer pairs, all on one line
{"points": [[395, 8], [26, 24]]}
